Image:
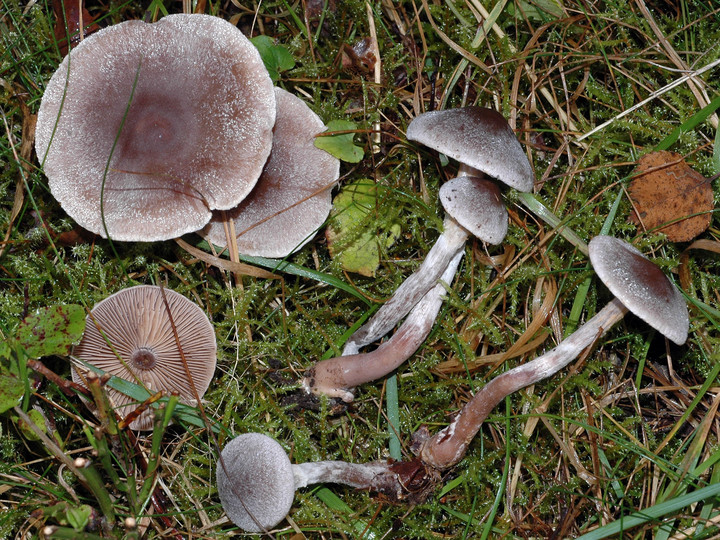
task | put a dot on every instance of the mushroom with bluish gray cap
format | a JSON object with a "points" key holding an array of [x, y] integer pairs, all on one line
{"points": [[144, 129], [134, 335], [256, 481], [639, 286], [292, 198], [483, 142]]}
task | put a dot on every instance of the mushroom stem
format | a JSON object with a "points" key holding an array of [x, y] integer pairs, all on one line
{"points": [[360, 476], [337, 376], [407, 295], [448, 446]]}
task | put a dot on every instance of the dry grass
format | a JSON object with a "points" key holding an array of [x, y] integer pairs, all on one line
{"points": [[630, 426]]}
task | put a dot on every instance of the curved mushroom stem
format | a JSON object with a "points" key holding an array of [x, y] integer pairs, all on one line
{"points": [[337, 376], [407, 295], [448, 446]]}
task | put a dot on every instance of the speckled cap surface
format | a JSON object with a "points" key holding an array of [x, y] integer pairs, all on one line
{"points": [[478, 137], [174, 118], [255, 482], [641, 286], [292, 198], [476, 204]]}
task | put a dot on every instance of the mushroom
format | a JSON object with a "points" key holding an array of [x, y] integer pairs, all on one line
{"points": [[256, 481], [483, 142], [244, 472], [144, 129], [638, 285], [133, 335], [292, 199], [475, 203], [336, 377]]}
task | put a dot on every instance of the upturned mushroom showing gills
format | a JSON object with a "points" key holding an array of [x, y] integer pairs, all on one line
{"points": [[638, 285], [483, 142], [292, 198], [144, 129], [135, 335]]}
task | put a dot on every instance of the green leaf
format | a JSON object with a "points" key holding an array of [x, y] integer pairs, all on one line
{"points": [[78, 517], [12, 388], [541, 10], [275, 57], [37, 418], [51, 330], [357, 247], [340, 145]]}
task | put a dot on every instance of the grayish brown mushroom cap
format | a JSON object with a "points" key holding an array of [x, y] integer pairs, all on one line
{"points": [[292, 199], [176, 116], [136, 323], [475, 203], [641, 286], [255, 482], [478, 137]]}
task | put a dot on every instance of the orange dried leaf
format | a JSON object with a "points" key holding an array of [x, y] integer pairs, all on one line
{"points": [[670, 196]]}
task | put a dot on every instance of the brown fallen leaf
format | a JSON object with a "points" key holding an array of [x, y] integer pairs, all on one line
{"points": [[72, 21], [666, 190]]}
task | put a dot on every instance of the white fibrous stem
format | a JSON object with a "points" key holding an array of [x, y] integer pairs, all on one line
{"points": [[447, 447], [362, 476], [336, 377], [407, 295]]}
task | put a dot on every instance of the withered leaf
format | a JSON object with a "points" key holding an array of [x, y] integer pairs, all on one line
{"points": [[666, 190], [72, 23]]}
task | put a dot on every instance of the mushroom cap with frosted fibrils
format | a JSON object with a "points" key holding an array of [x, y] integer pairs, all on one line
{"points": [[255, 482], [292, 199], [641, 286], [475, 203], [175, 118], [478, 137], [136, 323]]}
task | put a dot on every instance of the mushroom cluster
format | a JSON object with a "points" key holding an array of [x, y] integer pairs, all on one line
{"points": [[484, 144], [148, 131], [257, 482]]}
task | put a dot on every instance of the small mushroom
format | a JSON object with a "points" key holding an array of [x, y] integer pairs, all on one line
{"points": [[256, 481], [131, 335], [336, 377], [144, 129], [483, 142], [292, 199], [639, 286]]}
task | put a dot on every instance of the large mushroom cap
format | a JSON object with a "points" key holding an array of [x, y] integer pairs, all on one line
{"points": [[292, 199], [255, 482], [174, 117], [641, 286], [136, 323], [478, 137], [476, 205]]}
